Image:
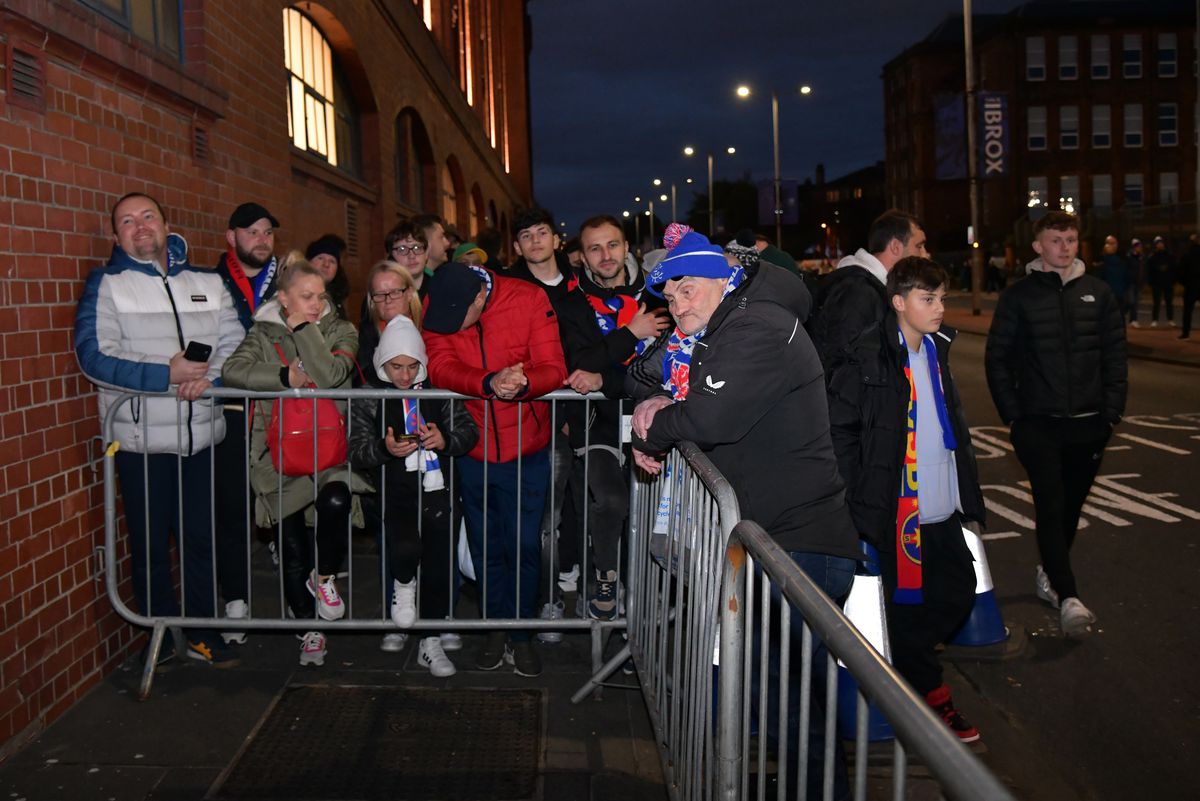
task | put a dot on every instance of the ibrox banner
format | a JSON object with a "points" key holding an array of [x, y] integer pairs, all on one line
{"points": [[993, 139], [950, 132]]}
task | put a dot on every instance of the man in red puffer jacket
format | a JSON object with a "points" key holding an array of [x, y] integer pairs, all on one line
{"points": [[497, 338]]}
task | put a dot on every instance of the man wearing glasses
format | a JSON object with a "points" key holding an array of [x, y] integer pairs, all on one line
{"points": [[407, 246]]}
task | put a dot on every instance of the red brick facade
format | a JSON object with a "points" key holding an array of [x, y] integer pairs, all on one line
{"points": [[88, 112]]}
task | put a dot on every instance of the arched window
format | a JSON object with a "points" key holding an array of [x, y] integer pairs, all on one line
{"points": [[322, 117], [449, 197], [416, 178]]}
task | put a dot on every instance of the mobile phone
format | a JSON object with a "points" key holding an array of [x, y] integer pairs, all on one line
{"points": [[197, 351], [405, 437]]}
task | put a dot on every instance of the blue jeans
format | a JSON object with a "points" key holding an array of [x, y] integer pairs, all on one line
{"points": [[834, 575], [195, 541], [513, 541]]}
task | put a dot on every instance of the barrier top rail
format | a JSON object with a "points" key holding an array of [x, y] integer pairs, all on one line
{"points": [[960, 773]]}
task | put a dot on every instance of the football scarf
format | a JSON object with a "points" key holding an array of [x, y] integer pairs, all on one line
{"points": [[252, 289], [677, 364], [421, 459], [908, 519]]}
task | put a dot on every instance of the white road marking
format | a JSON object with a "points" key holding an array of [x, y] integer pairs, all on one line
{"points": [[1155, 421], [1153, 498], [1001, 535], [1151, 443]]}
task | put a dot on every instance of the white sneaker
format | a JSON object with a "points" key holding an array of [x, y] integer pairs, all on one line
{"points": [[1135, 324], [569, 581], [1075, 619], [235, 610], [551, 611], [451, 641], [1043, 588], [329, 603], [404, 603], [1154, 323], [393, 642], [312, 648], [433, 657]]}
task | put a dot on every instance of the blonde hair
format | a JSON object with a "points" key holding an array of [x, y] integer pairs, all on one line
{"points": [[406, 282], [293, 266]]}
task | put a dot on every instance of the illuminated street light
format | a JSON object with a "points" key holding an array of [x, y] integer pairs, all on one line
{"points": [[743, 91], [731, 150], [657, 182], [806, 90], [625, 213], [689, 151], [662, 198]]}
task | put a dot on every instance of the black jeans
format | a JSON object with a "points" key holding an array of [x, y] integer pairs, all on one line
{"points": [[1062, 456], [1190, 296], [948, 591], [1160, 292], [607, 506], [333, 514], [430, 546]]}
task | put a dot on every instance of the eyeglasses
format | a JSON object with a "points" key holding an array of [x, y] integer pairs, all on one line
{"points": [[394, 294], [401, 250]]}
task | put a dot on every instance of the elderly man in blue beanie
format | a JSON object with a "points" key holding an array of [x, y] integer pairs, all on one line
{"points": [[740, 378]]}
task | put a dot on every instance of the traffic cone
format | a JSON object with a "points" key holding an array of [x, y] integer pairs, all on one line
{"points": [[865, 610], [985, 626]]}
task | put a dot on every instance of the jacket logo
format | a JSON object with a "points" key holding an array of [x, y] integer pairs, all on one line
{"points": [[199, 298], [1088, 298], [713, 384]]}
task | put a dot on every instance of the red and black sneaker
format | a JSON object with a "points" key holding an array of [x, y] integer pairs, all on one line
{"points": [[943, 705]]}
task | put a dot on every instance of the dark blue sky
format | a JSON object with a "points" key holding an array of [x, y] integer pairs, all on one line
{"points": [[618, 87]]}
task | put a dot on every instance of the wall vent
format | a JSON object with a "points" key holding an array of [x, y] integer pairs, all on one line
{"points": [[351, 229], [26, 71]]}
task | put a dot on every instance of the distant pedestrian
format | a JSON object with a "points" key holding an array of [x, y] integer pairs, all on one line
{"points": [[1160, 268], [1189, 276], [1115, 271], [1056, 368], [1136, 258]]}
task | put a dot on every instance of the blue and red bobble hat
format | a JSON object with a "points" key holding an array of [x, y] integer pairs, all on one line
{"points": [[689, 254]]}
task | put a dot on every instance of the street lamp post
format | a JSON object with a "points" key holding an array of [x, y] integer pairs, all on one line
{"points": [[744, 91], [691, 151]]}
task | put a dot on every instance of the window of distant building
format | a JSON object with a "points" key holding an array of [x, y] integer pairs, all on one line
{"points": [[1101, 126], [1037, 127], [1068, 58], [1100, 63], [1168, 188], [1168, 55], [1068, 127], [154, 21], [416, 176], [1102, 191], [1168, 124], [322, 118], [1068, 193], [1038, 192], [1133, 125], [1035, 58], [1134, 189], [1131, 55]]}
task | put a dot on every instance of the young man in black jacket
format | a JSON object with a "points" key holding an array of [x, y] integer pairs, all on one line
{"points": [[1057, 371], [897, 421], [740, 379]]}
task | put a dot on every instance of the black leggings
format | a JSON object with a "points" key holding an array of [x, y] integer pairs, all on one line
{"points": [[333, 513], [427, 547]]}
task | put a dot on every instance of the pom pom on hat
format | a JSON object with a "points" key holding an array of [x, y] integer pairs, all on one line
{"points": [[675, 231]]}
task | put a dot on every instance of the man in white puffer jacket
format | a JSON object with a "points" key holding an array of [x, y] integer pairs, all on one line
{"points": [[137, 317]]}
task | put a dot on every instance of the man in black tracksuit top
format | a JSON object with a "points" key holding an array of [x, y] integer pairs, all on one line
{"points": [[1057, 371], [741, 380]]}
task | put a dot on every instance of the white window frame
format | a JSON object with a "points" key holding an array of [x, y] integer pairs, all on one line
{"points": [[1101, 61], [1035, 58], [1068, 127], [308, 60], [1102, 126], [1167, 55], [1168, 137], [1168, 188], [1068, 58], [1134, 182], [1131, 131], [1036, 123], [1102, 197], [1131, 43]]}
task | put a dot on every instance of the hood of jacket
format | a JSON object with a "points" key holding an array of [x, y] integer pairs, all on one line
{"points": [[771, 284], [1038, 266], [270, 312], [861, 258], [400, 337], [177, 252]]}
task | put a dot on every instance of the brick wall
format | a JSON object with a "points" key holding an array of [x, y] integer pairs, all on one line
{"points": [[117, 116]]}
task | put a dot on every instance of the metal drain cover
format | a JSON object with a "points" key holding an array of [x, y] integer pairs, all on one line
{"points": [[396, 743]]}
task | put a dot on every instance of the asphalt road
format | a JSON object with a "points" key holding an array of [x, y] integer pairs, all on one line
{"points": [[1116, 716]]}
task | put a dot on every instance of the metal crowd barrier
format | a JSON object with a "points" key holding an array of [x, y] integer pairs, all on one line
{"points": [[377, 618], [693, 612]]}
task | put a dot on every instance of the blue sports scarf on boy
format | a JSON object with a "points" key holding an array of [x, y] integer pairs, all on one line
{"points": [[677, 364], [429, 464], [908, 518]]}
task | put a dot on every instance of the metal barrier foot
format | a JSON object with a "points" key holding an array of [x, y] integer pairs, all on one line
{"points": [[156, 641], [597, 680]]}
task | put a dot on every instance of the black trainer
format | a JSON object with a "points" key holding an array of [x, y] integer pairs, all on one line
{"points": [[943, 705]]}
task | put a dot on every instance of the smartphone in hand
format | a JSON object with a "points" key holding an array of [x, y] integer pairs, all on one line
{"points": [[197, 351]]}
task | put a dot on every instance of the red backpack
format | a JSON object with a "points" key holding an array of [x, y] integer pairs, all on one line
{"points": [[291, 438]]}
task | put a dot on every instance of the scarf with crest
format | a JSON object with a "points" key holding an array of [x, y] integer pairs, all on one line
{"points": [[421, 459], [908, 518]]}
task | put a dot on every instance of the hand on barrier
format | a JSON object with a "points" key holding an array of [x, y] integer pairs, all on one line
{"points": [[646, 325], [647, 462], [400, 448], [190, 390], [509, 381], [184, 370], [643, 414], [584, 382]]}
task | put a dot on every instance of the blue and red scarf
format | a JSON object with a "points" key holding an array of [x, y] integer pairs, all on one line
{"points": [[425, 461], [908, 516], [677, 365]]}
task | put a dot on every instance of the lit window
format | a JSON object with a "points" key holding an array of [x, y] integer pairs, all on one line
{"points": [[154, 21], [1068, 127], [1035, 58], [1168, 188], [1133, 125], [1134, 189], [1102, 191], [1037, 127], [1168, 124], [1039, 192], [1068, 58], [1068, 193], [1168, 55], [1131, 55], [1101, 126], [322, 119], [1100, 62]]}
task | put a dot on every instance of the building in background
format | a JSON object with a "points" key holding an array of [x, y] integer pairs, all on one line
{"points": [[1088, 106], [339, 116]]}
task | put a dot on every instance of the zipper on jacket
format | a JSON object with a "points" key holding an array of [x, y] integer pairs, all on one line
{"points": [[182, 345], [1066, 337], [489, 402]]}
